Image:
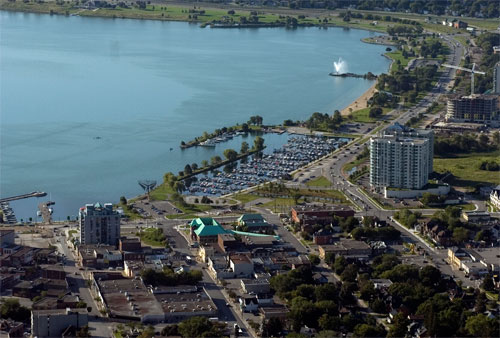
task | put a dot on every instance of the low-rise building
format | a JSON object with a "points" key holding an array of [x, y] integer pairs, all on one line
{"points": [[126, 298], [255, 223], [241, 265], [348, 248], [308, 215], [255, 285], [323, 237], [52, 323], [206, 230], [185, 301], [476, 216], [248, 304]]}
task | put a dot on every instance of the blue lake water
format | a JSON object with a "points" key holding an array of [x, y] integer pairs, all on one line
{"points": [[142, 87]]}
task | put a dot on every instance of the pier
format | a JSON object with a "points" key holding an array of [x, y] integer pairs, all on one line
{"points": [[20, 197], [45, 211]]}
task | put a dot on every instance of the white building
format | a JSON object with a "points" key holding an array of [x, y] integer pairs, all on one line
{"points": [[99, 224], [399, 162], [495, 197]]}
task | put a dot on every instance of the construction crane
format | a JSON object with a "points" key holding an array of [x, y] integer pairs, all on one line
{"points": [[471, 71]]}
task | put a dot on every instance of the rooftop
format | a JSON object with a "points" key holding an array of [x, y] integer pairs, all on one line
{"points": [[197, 301], [204, 221]]}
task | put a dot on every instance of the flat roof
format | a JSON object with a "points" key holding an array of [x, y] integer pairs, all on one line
{"points": [[128, 297], [191, 302]]}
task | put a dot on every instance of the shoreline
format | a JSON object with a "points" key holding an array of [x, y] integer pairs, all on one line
{"points": [[361, 101]]}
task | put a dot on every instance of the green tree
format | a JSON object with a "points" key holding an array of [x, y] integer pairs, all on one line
{"points": [[244, 147], [258, 143], [10, 308], [273, 327], [204, 163], [460, 235], [400, 327], [365, 330], [230, 154], [314, 259], [123, 200], [195, 327], [482, 326], [188, 170]]}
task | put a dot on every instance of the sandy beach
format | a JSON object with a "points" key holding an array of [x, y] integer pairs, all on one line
{"points": [[360, 102]]}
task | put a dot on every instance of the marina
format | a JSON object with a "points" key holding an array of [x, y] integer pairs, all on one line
{"points": [[299, 151]]}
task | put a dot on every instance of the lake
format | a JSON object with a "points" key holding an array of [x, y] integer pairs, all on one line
{"points": [[89, 105]]}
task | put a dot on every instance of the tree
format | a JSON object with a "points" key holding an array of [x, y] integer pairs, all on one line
{"points": [[204, 163], [149, 332], [188, 170], [350, 273], [244, 147], [400, 327], [303, 312], [123, 200], [326, 291], [258, 143], [194, 327], [378, 306], [340, 264], [365, 330], [460, 235], [488, 284], [194, 166], [273, 327], [244, 126], [337, 118], [482, 326], [83, 332], [230, 154], [375, 112], [314, 259], [10, 308]]}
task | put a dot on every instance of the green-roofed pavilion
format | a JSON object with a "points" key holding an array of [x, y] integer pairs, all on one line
{"points": [[196, 222]]}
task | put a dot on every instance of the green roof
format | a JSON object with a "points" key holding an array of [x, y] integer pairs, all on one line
{"points": [[251, 217], [204, 221], [209, 230]]}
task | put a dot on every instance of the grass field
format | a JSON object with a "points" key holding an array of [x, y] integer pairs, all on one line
{"points": [[362, 115], [466, 170], [319, 182], [398, 56], [245, 197]]}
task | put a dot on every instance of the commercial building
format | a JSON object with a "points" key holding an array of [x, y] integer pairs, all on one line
{"points": [[309, 215], [206, 230], [99, 224], [52, 323], [7, 237], [255, 223], [496, 78], [473, 108], [348, 248], [399, 162]]}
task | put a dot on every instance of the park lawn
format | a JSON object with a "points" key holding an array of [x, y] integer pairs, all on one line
{"points": [[321, 181], [280, 204], [161, 192], [152, 242], [362, 115], [466, 170], [398, 56], [492, 295], [355, 163], [245, 197]]}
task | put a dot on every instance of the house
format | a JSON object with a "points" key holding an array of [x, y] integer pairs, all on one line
{"points": [[381, 284], [10, 328], [437, 232], [241, 265], [476, 216], [254, 223], [322, 237], [248, 304], [265, 299], [458, 24]]}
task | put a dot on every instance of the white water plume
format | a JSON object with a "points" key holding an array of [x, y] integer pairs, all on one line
{"points": [[340, 66]]}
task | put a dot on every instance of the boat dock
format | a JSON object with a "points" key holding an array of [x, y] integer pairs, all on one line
{"points": [[45, 211], [20, 197], [8, 215]]}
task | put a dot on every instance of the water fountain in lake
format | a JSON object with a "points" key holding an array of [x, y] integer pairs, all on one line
{"points": [[340, 66]]}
